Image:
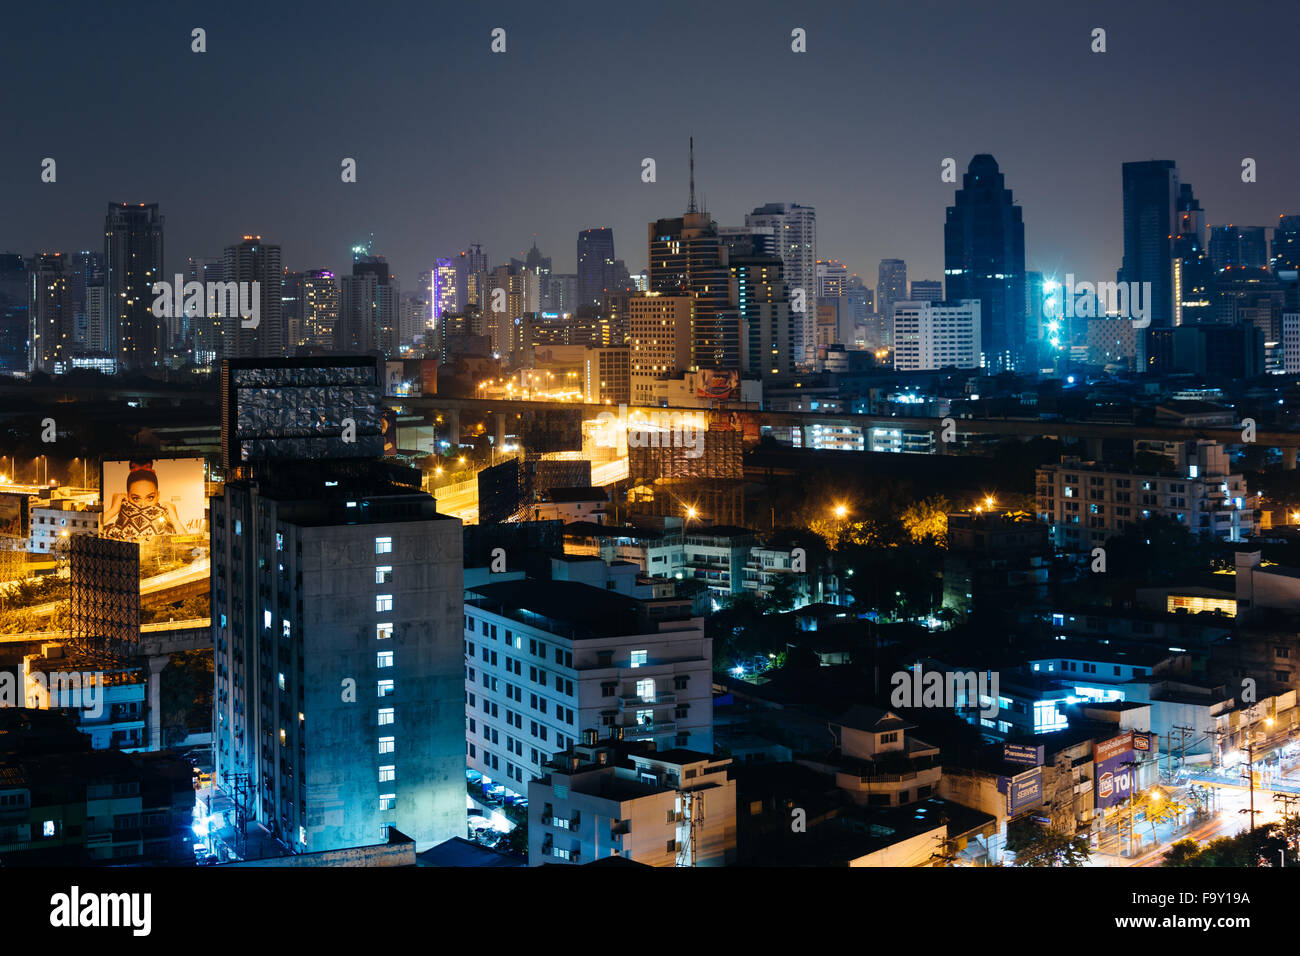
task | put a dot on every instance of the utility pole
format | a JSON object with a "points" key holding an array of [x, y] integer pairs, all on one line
{"points": [[1182, 744], [1289, 820]]}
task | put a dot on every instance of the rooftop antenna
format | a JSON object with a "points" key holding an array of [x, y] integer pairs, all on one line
{"points": [[691, 207]]}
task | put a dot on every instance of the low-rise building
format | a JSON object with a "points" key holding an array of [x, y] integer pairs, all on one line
{"points": [[603, 798]]}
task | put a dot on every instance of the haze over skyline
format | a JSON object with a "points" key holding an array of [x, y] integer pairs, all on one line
{"points": [[456, 144]]}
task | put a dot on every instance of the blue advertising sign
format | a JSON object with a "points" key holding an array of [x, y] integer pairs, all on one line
{"points": [[1025, 791], [1112, 769], [1023, 754]]}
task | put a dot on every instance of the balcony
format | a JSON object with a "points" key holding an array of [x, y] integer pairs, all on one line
{"points": [[655, 729], [634, 701]]}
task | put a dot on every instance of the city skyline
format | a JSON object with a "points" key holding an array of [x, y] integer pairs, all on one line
{"points": [[424, 201]]}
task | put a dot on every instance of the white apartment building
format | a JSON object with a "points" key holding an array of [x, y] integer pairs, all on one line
{"points": [[545, 660], [53, 522], [1084, 503], [609, 798], [934, 335]]}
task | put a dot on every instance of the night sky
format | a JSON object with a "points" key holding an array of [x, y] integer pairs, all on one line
{"points": [[456, 144]]}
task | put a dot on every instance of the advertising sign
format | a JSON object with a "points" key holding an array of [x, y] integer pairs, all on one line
{"points": [[13, 514], [1114, 778], [1025, 791], [148, 498], [1023, 754]]}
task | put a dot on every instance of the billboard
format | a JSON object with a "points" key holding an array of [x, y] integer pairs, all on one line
{"points": [[146, 498], [13, 514], [1114, 776], [1024, 791], [1025, 754]]}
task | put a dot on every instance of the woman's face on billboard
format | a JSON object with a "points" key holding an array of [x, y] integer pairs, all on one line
{"points": [[142, 493]]}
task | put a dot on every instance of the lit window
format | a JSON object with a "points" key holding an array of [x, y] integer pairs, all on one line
{"points": [[638, 658], [281, 682], [645, 689], [383, 546], [383, 631], [47, 828], [385, 688], [384, 574], [384, 659], [387, 773], [388, 801], [387, 744], [266, 618], [285, 627], [385, 715], [383, 602]]}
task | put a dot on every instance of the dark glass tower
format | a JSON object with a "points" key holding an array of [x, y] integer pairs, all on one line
{"points": [[1150, 213], [1193, 273], [984, 259], [133, 262], [595, 264], [13, 313]]}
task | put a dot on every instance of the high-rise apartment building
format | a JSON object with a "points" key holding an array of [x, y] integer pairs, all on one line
{"points": [[935, 335], [133, 262], [368, 308], [52, 332], [794, 229], [337, 596], [253, 260], [767, 342], [891, 287]]}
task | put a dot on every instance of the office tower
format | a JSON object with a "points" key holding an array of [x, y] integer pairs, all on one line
{"points": [[336, 611], [51, 319], [133, 262], [513, 292], [1238, 247], [414, 317], [1150, 214], [832, 278], [660, 340], [320, 307], [794, 229], [766, 331], [926, 290], [984, 258], [595, 263], [368, 307], [14, 326], [253, 260], [446, 292], [589, 648], [891, 287], [1193, 274], [1286, 243], [750, 241], [935, 335]]}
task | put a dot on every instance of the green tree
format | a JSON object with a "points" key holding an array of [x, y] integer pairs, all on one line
{"points": [[1035, 844]]}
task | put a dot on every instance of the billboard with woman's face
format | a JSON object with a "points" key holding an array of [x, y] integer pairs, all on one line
{"points": [[152, 498]]}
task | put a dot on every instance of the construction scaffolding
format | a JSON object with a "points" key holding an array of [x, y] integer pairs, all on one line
{"points": [[705, 477]]}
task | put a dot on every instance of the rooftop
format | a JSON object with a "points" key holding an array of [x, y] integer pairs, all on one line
{"points": [[564, 608]]}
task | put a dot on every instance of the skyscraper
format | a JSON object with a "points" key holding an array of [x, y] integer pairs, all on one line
{"points": [[133, 262], [795, 230], [766, 332], [1286, 243], [14, 327], [891, 287], [1238, 247], [984, 259], [595, 263], [51, 318], [1150, 214], [320, 307], [253, 260], [1193, 273], [688, 258], [368, 307], [445, 292]]}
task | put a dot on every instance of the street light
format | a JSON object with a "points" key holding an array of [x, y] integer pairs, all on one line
{"points": [[841, 511]]}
